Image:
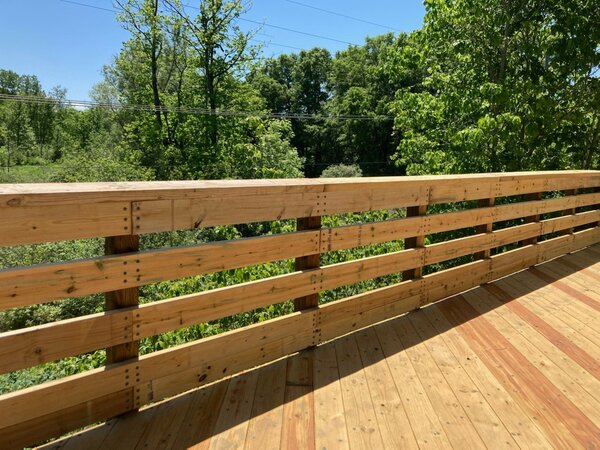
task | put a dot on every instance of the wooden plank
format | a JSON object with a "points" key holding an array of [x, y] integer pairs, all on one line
{"points": [[298, 430], [563, 422], [392, 419], [414, 242], [312, 261], [23, 224], [21, 287], [536, 196], [361, 420], [165, 206], [42, 283], [520, 425], [32, 431], [162, 430], [330, 420], [170, 371], [458, 427], [232, 423], [485, 228], [349, 236], [570, 211], [423, 418], [555, 373], [505, 292], [44, 343], [199, 423], [122, 298], [264, 427], [485, 420]]}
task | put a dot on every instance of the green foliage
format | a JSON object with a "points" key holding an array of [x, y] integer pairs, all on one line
{"points": [[342, 171]]}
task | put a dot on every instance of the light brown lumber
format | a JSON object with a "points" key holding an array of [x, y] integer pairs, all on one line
{"points": [[125, 297], [162, 430], [540, 398], [26, 286], [312, 261], [534, 307], [458, 427], [35, 430], [45, 343], [520, 425], [570, 211], [232, 424], [485, 228], [392, 419], [264, 427], [555, 372], [330, 419], [25, 224], [423, 418], [57, 211], [417, 241], [173, 370], [361, 420], [349, 236], [298, 428], [485, 420], [535, 196], [199, 422]]}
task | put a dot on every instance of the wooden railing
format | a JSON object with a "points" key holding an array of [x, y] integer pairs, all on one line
{"points": [[120, 212]]}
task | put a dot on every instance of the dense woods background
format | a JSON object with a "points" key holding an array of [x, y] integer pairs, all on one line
{"points": [[483, 86]]}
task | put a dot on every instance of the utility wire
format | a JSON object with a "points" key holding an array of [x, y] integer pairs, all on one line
{"points": [[117, 11], [341, 15], [278, 27], [192, 111], [90, 6], [291, 30]]}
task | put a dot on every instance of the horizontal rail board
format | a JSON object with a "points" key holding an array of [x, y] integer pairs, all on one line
{"points": [[36, 345], [43, 283], [59, 212], [26, 286], [211, 358]]}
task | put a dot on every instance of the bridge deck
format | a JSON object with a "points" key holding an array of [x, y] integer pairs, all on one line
{"points": [[515, 363]]}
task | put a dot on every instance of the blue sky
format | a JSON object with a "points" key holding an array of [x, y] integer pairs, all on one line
{"points": [[65, 44]]}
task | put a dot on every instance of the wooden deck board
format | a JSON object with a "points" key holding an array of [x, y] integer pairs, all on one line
{"points": [[511, 364]]}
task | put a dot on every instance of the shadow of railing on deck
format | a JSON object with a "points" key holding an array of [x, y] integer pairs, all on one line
{"points": [[192, 418]]}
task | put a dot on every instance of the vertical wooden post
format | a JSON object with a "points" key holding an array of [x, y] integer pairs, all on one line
{"points": [[570, 211], [485, 228], [414, 242], [530, 219], [122, 298], [307, 262]]}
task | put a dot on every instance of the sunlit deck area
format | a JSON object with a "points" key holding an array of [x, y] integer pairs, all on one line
{"points": [[513, 363]]}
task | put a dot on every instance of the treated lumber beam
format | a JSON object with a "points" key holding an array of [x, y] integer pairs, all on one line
{"points": [[485, 228], [83, 210], [536, 196], [312, 261], [209, 359], [417, 241], [35, 345]]}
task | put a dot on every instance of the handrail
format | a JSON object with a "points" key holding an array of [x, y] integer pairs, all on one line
{"points": [[121, 211]]}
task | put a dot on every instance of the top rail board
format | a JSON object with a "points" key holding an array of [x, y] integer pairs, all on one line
{"points": [[34, 213]]}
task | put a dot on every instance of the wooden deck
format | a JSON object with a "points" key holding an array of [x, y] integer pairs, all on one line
{"points": [[515, 363]]}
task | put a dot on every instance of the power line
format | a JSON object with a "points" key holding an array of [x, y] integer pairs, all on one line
{"points": [[116, 11], [278, 27], [342, 15], [91, 6], [181, 110]]}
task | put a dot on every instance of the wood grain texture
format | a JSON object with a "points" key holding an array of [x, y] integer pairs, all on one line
{"points": [[46, 212]]}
